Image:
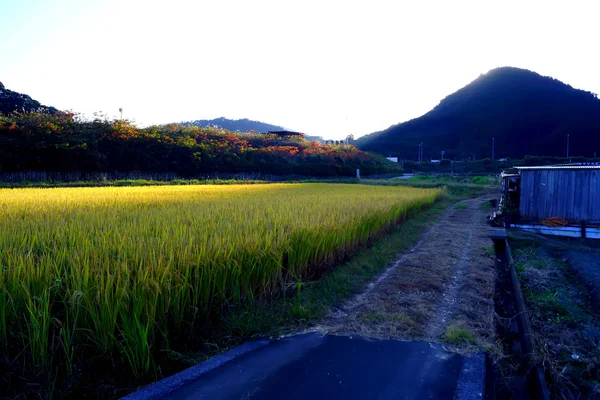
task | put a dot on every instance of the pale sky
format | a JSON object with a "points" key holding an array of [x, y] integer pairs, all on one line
{"points": [[327, 68]]}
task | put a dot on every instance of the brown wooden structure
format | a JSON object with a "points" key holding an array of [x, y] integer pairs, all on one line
{"points": [[570, 192]]}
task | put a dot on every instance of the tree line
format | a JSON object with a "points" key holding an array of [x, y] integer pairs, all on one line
{"points": [[62, 141]]}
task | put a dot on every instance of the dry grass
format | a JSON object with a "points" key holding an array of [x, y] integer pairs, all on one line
{"points": [[446, 280]]}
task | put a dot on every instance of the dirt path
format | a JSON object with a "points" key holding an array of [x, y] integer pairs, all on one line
{"points": [[445, 281]]}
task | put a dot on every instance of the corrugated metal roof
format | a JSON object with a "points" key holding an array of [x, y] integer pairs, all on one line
{"points": [[568, 167]]}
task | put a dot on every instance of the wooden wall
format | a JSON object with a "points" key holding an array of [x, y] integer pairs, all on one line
{"points": [[570, 194]]}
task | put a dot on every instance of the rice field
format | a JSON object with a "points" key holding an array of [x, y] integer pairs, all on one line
{"points": [[114, 272]]}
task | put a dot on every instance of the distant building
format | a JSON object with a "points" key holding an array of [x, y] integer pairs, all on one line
{"points": [[436, 161], [393, 159]]}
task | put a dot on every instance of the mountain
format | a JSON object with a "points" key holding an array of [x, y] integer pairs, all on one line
{"points": [[526, 113], [244, 125], [12, 101], [235, 125]]}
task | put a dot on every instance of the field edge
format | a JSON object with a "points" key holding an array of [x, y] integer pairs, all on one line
{"points": [[309, 301]]}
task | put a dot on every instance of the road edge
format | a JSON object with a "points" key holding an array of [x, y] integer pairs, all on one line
{"points": [[173, 382], [471, 381]]}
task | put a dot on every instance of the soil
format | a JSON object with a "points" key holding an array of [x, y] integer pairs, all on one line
{"points": [[441, 290], [587, 266]]}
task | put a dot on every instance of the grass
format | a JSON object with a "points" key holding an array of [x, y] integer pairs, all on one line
{"points": [[127, 182], [560, 307], [455, 191], [462, 179], [400, 318], [458, 336], [122, 275], [460, 206], [563, 314], [486, 206]]}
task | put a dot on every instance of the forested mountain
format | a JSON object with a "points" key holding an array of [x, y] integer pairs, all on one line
{"points": [[526, 113], [234, 125], [243, 125], [12, 101]]}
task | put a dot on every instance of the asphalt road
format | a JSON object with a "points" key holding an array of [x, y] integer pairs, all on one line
{"points": [[318, 366]]}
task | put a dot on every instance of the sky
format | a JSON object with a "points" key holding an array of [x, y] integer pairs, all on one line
{"points": [[327, 68]]}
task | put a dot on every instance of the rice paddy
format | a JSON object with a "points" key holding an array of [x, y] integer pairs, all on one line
{"points": [[115, 272]]}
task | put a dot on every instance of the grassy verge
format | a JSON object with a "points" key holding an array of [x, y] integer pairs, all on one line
{"points": [[151, 182], [454, 190], [127, 182], [464, 179], [309, 301], [457, 187]]}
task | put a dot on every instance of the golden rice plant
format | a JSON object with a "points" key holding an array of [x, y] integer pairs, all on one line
{"points": [[112, 272]]}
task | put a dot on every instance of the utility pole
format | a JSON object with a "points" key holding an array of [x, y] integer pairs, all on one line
{"points": [[419, 153], [567, 145], [422, 152], [493, 147], [443, 151]]}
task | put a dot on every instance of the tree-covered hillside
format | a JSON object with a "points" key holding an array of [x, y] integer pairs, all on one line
{"points": [[62, 142], [12, 101], [234, 125], [39, 138], [526, 113]]}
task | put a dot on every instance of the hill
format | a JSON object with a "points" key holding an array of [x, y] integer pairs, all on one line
{"points": [[526, 113], [243, 125], [60, 142], [234, 125], [12, 101]]}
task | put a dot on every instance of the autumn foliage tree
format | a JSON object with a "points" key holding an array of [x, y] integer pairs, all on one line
{"points": [[64, 142]]}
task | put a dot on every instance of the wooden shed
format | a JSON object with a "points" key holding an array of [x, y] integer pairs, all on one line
{"points": [[570, 192]]}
